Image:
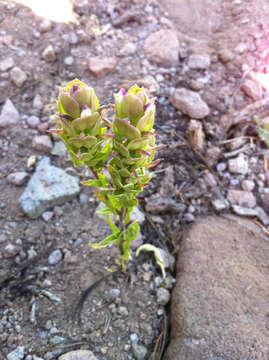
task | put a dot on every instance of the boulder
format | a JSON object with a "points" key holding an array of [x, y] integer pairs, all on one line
{"points": [[221, 299]]}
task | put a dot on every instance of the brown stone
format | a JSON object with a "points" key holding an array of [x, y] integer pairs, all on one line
{"points": [[221, 299], [252, 89], [101, 66], [195, 134], [162, 48]]}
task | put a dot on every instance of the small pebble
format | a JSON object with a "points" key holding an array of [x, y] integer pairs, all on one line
{"points": [[49, 54], [68, 60], [114, 293], [220, 204], [139, 351], [17, 178], [55, 257], [221, 167], [134, 338], [33, 121], [45, 26], [189, 217], [163, 296], [47, 215], [18, 76], [37, 102], [247, 185]]}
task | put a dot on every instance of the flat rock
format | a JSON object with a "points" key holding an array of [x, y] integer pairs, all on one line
{"points": [[100, 66], [221, 298], [199, 61], [157, 204], [49, 186], [17, 354], [162, 48], [9, 115], [242, 198], [78, 355], [189, 103]]}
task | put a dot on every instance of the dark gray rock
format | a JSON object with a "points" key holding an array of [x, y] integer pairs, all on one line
{"points": [[49, 186]]}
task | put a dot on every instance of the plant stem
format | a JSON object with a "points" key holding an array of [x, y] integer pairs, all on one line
{"points": [[122, 215], [94, 172]]}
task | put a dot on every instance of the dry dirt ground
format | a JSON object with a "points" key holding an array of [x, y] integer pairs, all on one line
{"points": [[122, 305]]}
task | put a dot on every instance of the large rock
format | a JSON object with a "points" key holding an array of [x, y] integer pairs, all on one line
{"points": [[162, 48], [221, 299], [9, 115], [190, 103], [49, 186]]}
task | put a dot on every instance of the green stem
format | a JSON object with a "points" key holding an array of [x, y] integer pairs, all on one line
{"points": [[122, 215]]}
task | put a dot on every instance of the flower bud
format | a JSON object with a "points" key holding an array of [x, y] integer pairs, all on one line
{"points": [[70, 105], [125, 129], [145, 123], [85, 123], [132, 106], [81, 94]]}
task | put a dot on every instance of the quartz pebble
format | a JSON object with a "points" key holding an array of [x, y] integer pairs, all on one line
{"points": [[33, 121], [55, 257], [49, 54], [220, 204], [45, 26], [238, 165], [18, 76]]}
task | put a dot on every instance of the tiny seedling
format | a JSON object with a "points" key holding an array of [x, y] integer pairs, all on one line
{"points": [[119, 153]]}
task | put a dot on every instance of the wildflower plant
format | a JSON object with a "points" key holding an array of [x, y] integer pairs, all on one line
{"points": [[118, 152]]}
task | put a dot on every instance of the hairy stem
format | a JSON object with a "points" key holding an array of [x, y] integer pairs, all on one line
{"points": [[94, 173], [122, 215]]}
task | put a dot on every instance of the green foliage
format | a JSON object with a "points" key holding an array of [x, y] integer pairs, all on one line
{"points": [[263, 130], [118, 152]]}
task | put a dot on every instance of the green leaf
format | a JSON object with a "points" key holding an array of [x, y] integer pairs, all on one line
{"points": [[157, 254], [107, 241], [96, 183], [103, 211], [131, 232]]}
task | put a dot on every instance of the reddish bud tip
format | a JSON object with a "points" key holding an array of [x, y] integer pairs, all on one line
{"points": [[123, 91]]}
